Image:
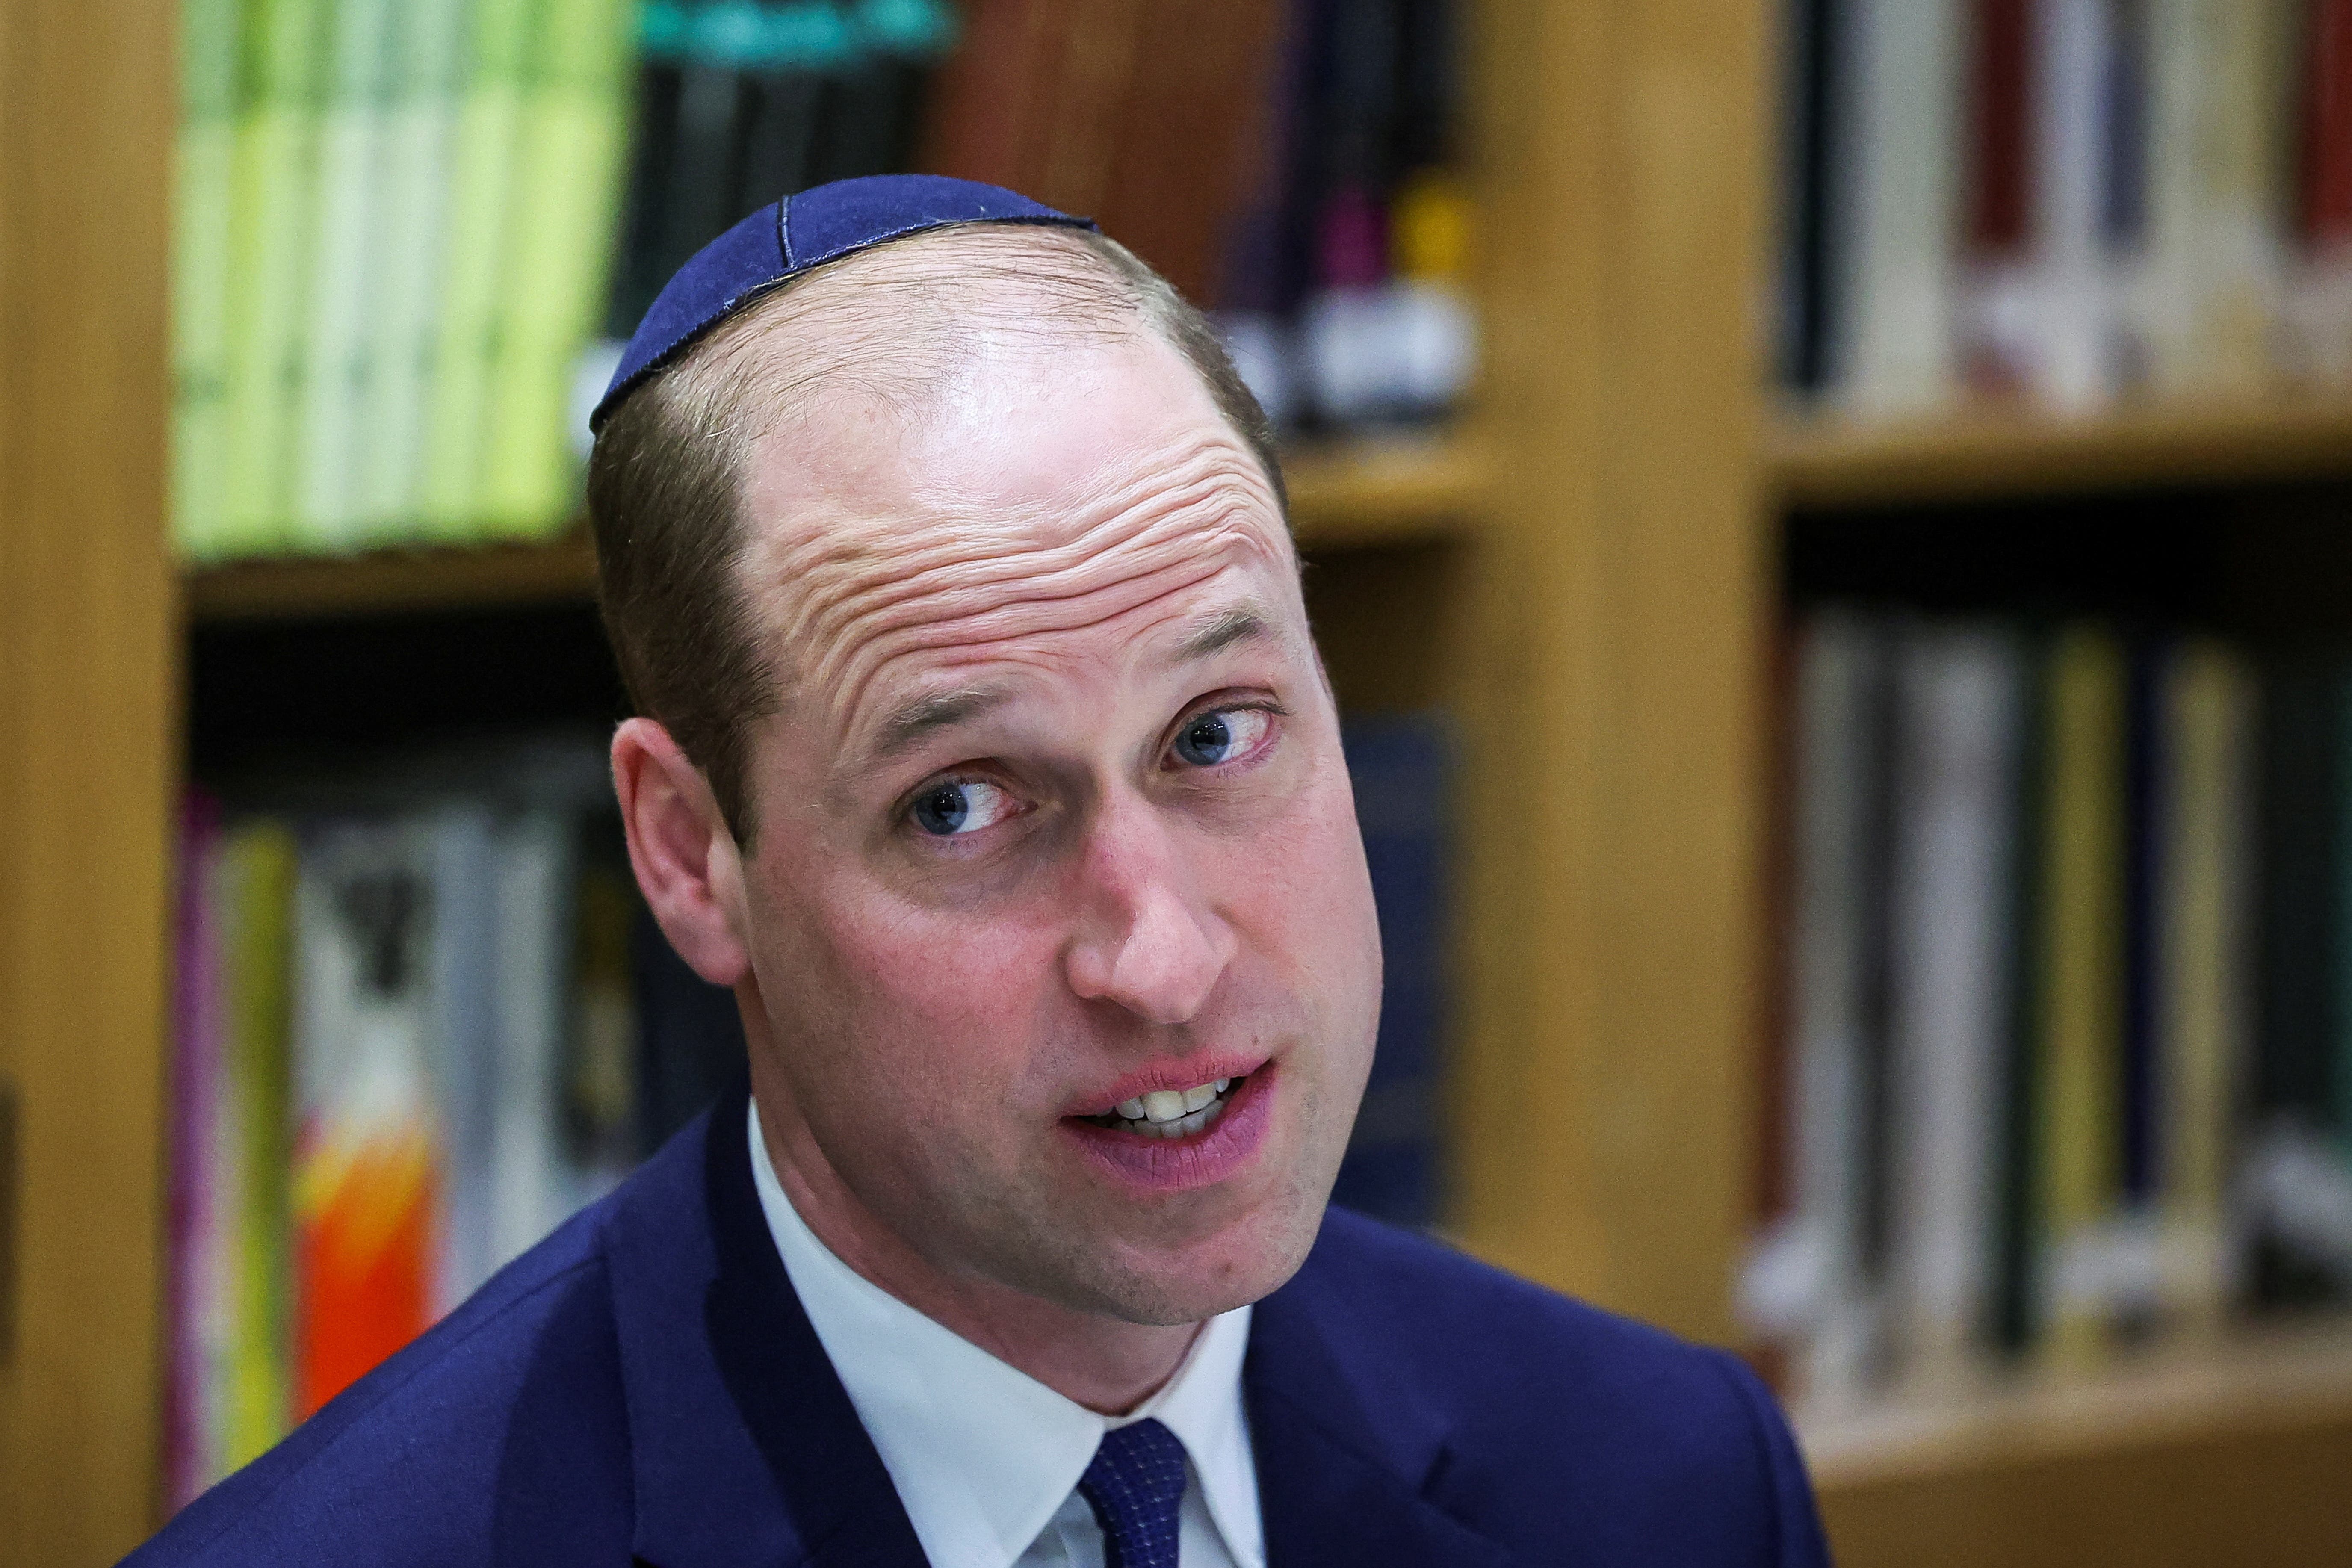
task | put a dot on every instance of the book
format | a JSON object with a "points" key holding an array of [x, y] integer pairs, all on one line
{"points": [[488, 87], [1995, 319], [281, 48], [2320, 299], [2080, 932], [1899, 211], [202, 243], [254, 891], [368, 1163], [1398, 766], [200, 1214], [2203, 1004], [552, 277], [1843, 713], [413, 176], [1960, 694], [355, 219]]}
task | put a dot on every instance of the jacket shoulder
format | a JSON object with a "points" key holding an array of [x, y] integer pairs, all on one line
{"points": [[1553, 1405], [502, 1424]]}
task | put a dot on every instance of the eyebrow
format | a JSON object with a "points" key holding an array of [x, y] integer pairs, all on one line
{"points": [[938, 710], [926, 715], [1242, 622]]}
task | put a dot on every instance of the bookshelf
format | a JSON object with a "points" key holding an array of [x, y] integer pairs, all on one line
{"points": [[1583, 573]]}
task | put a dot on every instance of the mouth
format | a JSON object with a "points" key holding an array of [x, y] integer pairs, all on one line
{"points": [[1181, 1140], [1171, 1113]]}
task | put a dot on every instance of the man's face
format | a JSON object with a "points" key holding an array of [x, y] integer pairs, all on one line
{"points": [[1053, 819]]}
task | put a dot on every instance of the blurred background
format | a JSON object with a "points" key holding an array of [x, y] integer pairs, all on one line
{"points": [[1828, 519]]}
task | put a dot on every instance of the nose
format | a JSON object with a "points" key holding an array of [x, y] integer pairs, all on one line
{"points": [[1145, 937]]}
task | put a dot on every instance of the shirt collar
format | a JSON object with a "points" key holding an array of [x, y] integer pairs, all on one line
{"points": [[983, 1455]]}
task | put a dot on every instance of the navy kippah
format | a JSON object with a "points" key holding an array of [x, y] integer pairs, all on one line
{"points": [[787, 237]]}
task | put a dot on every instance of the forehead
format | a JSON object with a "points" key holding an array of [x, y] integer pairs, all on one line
{"points": [[1031, 496]]}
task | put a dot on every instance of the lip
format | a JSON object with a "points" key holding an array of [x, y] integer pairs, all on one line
{"points": [[1178, 1073], [1184, 1165]]}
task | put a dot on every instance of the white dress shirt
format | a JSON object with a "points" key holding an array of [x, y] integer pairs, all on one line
{"points": [[985, 1457]]}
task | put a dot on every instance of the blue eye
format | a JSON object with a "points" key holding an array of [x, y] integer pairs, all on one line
{"points": [[961, 805], [1220, 735]]}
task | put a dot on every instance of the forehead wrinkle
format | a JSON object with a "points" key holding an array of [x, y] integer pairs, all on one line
{"points": [[892, 650], [955, 578]]}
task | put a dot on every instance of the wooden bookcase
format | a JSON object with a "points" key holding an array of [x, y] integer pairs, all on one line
{"points": [[1584, 572]]}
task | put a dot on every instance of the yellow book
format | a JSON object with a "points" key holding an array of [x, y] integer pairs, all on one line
{"points": [[2208, 711], [2081, 1005], [256, 893]]}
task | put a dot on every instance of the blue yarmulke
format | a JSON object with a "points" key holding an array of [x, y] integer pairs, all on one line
{"points": [[788, 237]]}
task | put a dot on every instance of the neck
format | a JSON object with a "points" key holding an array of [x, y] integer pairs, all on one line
{"points": [[1108, 1364]]}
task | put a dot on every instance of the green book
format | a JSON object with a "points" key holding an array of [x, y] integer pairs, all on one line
{"points": [[414, 183], [351, 228], [553, 288], [488, 86], [279, 59], [200, 269]]}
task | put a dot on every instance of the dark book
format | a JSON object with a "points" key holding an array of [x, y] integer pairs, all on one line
{"points": [[1398, 766], [2146, 767], [1810, 89], [2018, 1226]]}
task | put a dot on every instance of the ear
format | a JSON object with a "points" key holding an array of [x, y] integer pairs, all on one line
{"points": [[685, 857]]}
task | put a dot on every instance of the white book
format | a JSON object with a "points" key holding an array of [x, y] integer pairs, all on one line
{"points": [[535, 1190], [1899, 211], [464, 1040], [2074, 371], [350, 229], [1961, 700], [1841, 669], [2215, 277]]}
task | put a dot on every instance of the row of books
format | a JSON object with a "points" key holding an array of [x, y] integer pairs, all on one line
{"points": [[422, 1016], [1343, 295], [2067, 1063], [2065, 202], [392, 233]]}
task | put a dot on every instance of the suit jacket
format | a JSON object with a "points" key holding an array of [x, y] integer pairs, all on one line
{"points": [[643, 1386]]}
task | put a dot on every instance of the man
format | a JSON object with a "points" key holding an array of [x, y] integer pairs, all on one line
{"points": [[986, 756]]}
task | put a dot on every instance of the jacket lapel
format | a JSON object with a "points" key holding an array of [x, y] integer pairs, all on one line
{"points": [[1345, 1456], [747, 1451]]}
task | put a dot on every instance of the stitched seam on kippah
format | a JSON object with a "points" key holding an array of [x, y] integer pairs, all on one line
{"points": [[785, 229]]}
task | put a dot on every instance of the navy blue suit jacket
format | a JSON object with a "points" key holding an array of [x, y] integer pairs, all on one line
{"points": [[644, 1385]]}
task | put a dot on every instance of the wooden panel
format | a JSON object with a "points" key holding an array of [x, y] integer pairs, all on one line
{"points": [[1989, 456], [2225, 1496], [1623, 151], [86, 684]]}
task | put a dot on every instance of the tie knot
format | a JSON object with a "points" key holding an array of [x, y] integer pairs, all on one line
{"points": [[1136, 1486]]}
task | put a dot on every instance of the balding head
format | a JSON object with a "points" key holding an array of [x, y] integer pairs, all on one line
{"points": [[884, 336]]}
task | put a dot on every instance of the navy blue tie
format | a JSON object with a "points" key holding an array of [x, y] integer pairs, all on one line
{"points": [[1136, 1486]]}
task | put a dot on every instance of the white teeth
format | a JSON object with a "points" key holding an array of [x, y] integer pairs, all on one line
{"points": [[1199, 1095], [1131, 1109], [1164, 1104], [1222, 1083]]}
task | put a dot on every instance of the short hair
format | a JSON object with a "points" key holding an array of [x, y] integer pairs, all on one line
{"points": [[664, 476]]}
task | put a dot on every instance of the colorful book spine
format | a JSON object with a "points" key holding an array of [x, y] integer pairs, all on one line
{"points": [[201, 1219], [368, 1181]]}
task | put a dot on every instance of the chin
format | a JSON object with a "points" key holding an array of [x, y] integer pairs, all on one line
{"points": [[1240, 1262]]}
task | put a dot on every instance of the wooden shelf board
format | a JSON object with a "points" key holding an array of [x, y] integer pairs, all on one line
{"points": [[390, 581], [1821, 462], [1378, 490], [1364, 492], [2281, 1380]]}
